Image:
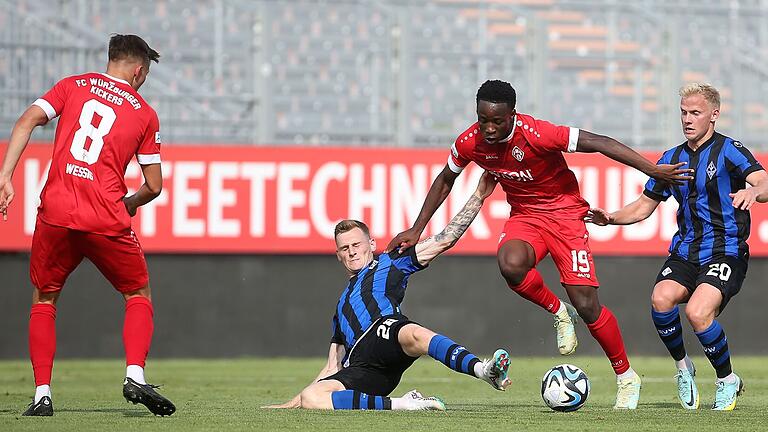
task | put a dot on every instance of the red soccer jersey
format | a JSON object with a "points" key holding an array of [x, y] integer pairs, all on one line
{"points": [[529, 164], [103, 123]]}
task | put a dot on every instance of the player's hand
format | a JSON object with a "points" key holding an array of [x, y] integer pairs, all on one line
{"points": [[598, 216], [486, 185], [293, 403], [6, 195], [128, 202], [673, 174], [744, 199], [404, 240]]}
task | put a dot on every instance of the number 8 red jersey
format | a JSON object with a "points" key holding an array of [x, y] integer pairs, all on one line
{"points": [[103, 123]]}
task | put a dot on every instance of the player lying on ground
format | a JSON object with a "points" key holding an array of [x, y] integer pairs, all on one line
{"points": [[547, 209], [373, 343], [708, 255], [84, 211]]}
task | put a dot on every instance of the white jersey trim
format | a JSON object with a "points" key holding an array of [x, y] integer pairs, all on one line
{"points": [[47, 107], [573, 139], [452, 165], [148, 159], [116, 79]]}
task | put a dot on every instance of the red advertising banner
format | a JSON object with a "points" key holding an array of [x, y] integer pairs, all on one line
{"points": [[288, 199]]}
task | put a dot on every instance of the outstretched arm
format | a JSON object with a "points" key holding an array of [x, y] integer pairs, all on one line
{"points": [[33, 117], [439, 190], [429, 248], [745, 198], [633, 212], [590, 143], [335, 356]]}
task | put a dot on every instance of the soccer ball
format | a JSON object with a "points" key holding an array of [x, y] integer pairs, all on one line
{"points": [[565, 388]]}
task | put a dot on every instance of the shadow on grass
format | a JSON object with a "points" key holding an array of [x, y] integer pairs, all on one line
{"points": [[125, 412], [660, 405]]}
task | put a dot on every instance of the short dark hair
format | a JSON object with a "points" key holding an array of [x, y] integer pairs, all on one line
{"points": [[497, 91], [131, 46], [349, 225]]}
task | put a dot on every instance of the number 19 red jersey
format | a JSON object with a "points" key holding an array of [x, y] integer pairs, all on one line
{"points": [[103, 123], [529, 164]]}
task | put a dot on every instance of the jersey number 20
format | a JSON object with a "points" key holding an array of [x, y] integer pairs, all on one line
{"points": [[87, 130]]}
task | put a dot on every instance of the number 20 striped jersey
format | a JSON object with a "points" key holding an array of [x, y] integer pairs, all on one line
{"points": [[103, 123]]}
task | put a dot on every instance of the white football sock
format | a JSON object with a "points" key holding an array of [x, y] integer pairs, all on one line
{"points": [[479, 369], [628, 374], [730, 379], [400, 403], [684, 364], [136, 373], [42, 390], [561, 309]]}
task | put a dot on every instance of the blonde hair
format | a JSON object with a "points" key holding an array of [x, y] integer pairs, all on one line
{"points": [[709, 92], [349, 225]]}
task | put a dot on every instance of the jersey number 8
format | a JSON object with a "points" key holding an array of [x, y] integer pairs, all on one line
{"points": [[87, 130]]}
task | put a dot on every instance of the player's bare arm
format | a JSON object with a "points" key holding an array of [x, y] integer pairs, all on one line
{"points": [[429, 248], [33, 117], [439, 190], [590, 143], [745, 198], [636, 211], [335, 356], [153, 185]]}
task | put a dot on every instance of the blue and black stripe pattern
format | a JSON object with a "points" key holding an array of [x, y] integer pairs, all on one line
{"points": [[716, 348], [453, 355], [670, 331], [355, 400], [375, 291], [708, 224]]}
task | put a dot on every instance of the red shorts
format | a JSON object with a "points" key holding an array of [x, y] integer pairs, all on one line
{"points": [[566, 240], [57, 251]]}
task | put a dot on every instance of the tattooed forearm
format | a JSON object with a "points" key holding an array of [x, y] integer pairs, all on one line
{"points": [[461, 221]]}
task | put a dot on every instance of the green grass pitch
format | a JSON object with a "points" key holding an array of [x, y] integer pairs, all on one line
{"points": [[226, 395]]}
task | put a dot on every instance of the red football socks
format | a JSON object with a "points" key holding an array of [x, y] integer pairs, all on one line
{"points": [[42, 341], [606, 331], [137, 330], [532, 288]]}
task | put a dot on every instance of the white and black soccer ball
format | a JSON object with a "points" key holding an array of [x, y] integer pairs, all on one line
{"points": [[565, 388]]}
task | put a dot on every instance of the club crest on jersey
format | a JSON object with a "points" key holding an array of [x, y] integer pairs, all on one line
{"points": [[711, 170], [518, 154]]}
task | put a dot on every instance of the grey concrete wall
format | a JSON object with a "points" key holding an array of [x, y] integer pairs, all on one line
{"points": [[221, 306]]}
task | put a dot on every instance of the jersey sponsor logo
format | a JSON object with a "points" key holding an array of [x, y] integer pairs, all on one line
{"points": [[373, 264], [584, 275], [522, 175], [711, 170], [666, 271], [738, 144], [518, 154], [78, 171], [488, 157]]}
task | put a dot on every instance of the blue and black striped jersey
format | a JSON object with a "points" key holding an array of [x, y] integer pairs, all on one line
{"points": [[708, 224], [375, 291]]}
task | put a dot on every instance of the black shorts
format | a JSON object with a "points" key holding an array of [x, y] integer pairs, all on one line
{"points": [[376, 362], [726, 273]]}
